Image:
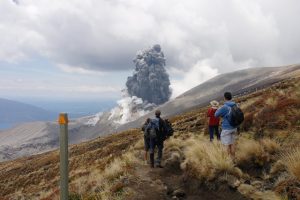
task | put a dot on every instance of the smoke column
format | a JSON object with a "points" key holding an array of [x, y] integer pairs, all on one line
{"points": [[150, 80]]}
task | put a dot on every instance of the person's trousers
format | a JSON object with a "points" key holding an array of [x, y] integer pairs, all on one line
{"points": [[154, 142], [213, 130], [160, 147]]}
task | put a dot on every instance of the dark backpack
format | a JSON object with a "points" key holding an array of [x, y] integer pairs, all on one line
{"points": [[144, 129], [153, 128], [169, 129], [236, 116]]}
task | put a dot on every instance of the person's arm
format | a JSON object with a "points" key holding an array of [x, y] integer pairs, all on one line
{"points": [[220, 112]]}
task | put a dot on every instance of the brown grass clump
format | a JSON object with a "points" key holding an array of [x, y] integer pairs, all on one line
{"points": [[271, 146], [277, 167], [206, 160], [252, 193], [292, 161], [250, 152], [271, 101], [287, 187], [107, 184], [248, 121]]}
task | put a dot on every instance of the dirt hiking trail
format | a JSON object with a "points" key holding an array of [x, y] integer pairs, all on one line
{"points": [[171, 183]]}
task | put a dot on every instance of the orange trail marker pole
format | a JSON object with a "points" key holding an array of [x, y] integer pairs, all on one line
{"points": [[64, 162]]}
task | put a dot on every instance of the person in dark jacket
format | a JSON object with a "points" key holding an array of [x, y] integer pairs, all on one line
{"points": [[213, 122], [158, 140], [146, 139], [228, 133]]}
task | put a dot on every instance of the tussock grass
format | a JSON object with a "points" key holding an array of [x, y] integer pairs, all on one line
{"points": [[271, 146], [250, 152], [174, 145], [252, 193], [206, 160], [271, 101], [109, 183], [292, 161], [249, 103], [139, 145], [277, 167]]}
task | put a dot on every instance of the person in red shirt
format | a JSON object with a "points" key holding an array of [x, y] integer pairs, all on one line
{"points": [[213, 124]]}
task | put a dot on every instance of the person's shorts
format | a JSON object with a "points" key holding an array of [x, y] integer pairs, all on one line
{"points": [[146, 143], [228, 136]]}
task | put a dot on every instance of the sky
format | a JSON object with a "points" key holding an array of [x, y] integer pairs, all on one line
{"points": [[83, 50]]}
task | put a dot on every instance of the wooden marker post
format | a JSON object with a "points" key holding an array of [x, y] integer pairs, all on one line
{"points": [[64, 162]]}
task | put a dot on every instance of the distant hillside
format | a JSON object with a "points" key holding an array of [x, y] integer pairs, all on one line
{"points": [[13, 112]]}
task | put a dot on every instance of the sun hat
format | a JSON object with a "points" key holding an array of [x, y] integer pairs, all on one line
{"points": [[214, 103]]}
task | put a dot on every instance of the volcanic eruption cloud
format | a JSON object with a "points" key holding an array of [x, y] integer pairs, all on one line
{"points": [[150, 81], [148, 87]]}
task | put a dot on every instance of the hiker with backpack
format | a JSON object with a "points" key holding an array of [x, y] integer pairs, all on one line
{"points": [[146, 139], [232, 117], [157, 134], [213, 122]]}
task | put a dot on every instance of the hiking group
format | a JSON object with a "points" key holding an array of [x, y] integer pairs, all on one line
{"points": [[157, 130], [232, 116]]}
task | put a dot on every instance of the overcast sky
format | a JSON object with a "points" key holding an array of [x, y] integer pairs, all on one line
{"points": [[84, 49]]}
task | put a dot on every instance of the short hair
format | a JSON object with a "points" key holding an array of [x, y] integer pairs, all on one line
{"points": [[157, 113], [227, 95]]}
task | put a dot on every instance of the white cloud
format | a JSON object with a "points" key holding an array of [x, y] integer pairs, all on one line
{"points": [[105, 35], [199, 73], [78, 70], [199, 38]]}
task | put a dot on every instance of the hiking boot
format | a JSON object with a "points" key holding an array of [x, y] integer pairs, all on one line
{"points": [[159, 166]]}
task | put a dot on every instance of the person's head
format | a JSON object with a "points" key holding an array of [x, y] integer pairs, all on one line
{"points": [[147, 120], [227, 96], [157, 113]]}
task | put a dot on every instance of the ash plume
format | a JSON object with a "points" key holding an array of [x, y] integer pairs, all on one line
{"points": [[150, 81]]}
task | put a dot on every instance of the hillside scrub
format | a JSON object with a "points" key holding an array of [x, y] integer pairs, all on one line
{"points": [[270, 146], [276, 108], [292, 162], [108, 184], [255, 153], [206, 160]]}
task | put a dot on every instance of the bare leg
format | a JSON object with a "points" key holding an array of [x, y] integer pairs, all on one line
{"points": [[231, 150]]}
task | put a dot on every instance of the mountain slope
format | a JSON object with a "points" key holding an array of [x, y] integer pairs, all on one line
{"points": [[13, 112], [238, 82], [265, 167]]}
